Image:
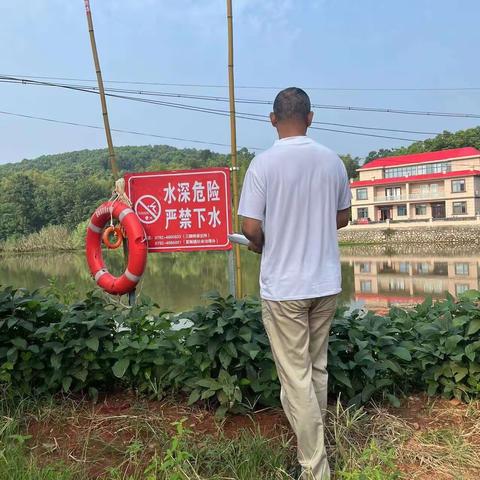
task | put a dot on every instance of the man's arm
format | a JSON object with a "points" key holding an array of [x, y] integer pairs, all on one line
{"points": [[343, 217], [252, 229]]}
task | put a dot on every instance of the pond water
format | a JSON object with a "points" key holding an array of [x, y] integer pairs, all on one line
{"points": [[377, 277]]}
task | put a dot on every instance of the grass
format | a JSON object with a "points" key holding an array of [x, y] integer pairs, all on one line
{"points": [[54, 238], [74, 440]]}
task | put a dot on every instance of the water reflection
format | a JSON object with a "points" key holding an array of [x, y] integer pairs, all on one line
{"points": [[384, 280], [374, 276]]}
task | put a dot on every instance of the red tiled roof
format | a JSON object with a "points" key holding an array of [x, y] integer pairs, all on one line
{"points": [[415, 178], [421, 157]]}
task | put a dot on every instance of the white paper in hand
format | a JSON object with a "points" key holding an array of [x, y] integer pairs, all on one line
{"points": [[238, 238]]}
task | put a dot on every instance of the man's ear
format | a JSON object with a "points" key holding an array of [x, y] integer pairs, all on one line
{"points": [[309, 118], [273, 119]]}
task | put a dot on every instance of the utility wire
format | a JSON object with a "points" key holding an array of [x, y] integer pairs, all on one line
{"points": [[262, 87], [220, 99], [130, 132], [243, 115], [266, 102]]}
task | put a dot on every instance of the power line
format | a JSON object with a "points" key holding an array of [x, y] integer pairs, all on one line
{"points": [[243, 115], [130, 132], [267, 102], [221, 99], [264, 87]]}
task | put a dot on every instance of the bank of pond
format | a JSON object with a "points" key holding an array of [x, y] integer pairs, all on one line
{"points": [[219, 353]]}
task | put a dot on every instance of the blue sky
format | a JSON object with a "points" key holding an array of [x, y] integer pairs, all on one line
{"points": [[308, 43]]}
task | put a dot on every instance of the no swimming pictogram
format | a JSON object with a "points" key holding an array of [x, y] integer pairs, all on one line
{"points": [[148, 209]]}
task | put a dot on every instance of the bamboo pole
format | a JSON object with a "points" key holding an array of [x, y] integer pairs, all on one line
{"points": [[108, 133], [233, 135]]}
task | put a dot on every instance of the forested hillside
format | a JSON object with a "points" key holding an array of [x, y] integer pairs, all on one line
{"points": [[462, 138], [65, 189]]}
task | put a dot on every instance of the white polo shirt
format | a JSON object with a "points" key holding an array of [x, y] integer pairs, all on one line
{"points": [[296, 188]]}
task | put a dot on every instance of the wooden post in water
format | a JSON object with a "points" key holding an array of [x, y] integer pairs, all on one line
{"points": [[233, 141], [108, 133]]}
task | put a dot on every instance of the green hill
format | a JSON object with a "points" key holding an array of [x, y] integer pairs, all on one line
{"points": [[446, 140], [65, 189]]}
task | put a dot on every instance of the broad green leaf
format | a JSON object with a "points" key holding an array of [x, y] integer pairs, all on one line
{"points": [[120, 367], [460, 373], [393, 400], [81, 374], [245, 333], [92, 343], [207, 394], [20, 343], [225, 358], [66, 382], [474, 326], [402, 352], [367, 392], [341, 377], [194, 397], [56, 361], [470, 295], [452, 341], [209, 383]]}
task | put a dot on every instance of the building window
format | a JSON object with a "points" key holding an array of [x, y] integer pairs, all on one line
{"points": [[365, 267], [393, 193], [362, 194], [418, 170], [420, 210], [402, 210], [459, 208], [366, 286], [458, 185], [423, 268], [436, 287], [404, 267], [461, 269], [362, 212], [396, 284], [461, 288]]}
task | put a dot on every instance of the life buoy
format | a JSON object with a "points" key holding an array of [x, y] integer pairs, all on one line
{"points": [[137, 248], [117, 233]]}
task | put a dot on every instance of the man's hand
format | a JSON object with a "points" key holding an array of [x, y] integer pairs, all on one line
{"points": [[252, 229], [343, 217], [255, 248]]}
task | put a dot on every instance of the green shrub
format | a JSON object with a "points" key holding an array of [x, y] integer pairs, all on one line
{"points": [[447, 347], [220, 353], [228, 355], [370, 355]]}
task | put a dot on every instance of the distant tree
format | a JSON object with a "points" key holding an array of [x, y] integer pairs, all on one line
{"points": [[446, 140], [351, 164]]}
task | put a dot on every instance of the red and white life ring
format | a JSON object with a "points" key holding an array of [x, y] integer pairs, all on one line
{"points": [[137, 248]]}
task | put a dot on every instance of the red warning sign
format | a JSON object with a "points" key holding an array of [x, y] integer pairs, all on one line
{"points": [[183, 210]]}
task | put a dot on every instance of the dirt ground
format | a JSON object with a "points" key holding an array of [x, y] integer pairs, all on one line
{"points": [[434, 438]]}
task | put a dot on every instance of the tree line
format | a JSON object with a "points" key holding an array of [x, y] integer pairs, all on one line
{"points": [[66, 188]]}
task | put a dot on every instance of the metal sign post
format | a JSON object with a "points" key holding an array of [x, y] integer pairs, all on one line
{"points": [[233, 135]]}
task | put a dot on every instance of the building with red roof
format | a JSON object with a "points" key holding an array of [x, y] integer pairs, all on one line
{"points": [[420, 186]]}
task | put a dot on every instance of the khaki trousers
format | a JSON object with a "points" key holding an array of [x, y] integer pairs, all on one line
{"points": [[298, 332]]}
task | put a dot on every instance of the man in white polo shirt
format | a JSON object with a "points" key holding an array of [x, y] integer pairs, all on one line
{"points": [[295, 196]]}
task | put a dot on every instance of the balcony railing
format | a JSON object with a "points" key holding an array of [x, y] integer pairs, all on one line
{"points": [[426, 195], [390, 198], [412, 196]]}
